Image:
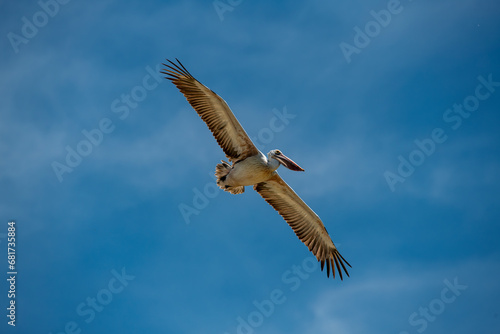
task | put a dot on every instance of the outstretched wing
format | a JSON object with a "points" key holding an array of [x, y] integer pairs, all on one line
{"points": [[214, 111], [304, 222]]}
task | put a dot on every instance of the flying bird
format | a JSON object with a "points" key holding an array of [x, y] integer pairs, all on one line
{"points": [[250, 167]]}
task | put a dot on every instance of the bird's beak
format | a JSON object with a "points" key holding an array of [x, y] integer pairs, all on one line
{"points": [[288, 163]]}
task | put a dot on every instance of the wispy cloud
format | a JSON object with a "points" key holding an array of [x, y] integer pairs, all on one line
{"points": [[385, 300]]}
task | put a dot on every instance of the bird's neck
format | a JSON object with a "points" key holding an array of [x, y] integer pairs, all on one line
{"points": [[272, 164]]}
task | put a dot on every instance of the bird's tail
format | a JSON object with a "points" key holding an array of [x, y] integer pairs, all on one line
{"points": [[221, 171]]}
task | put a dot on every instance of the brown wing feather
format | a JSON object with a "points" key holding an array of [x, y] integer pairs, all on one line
{"points": [[214, 111], [304, 222]]}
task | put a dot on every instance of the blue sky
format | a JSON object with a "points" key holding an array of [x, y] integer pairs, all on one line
{"points": [[399, 140]]}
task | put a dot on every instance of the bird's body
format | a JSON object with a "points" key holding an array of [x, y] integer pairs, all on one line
{"points": [[250, 167], [254, 169]]}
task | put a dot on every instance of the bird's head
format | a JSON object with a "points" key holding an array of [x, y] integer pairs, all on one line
{"points": [[284, 160]]}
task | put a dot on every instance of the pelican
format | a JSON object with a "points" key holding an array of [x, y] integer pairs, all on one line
{"points": [[250, 167]]}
